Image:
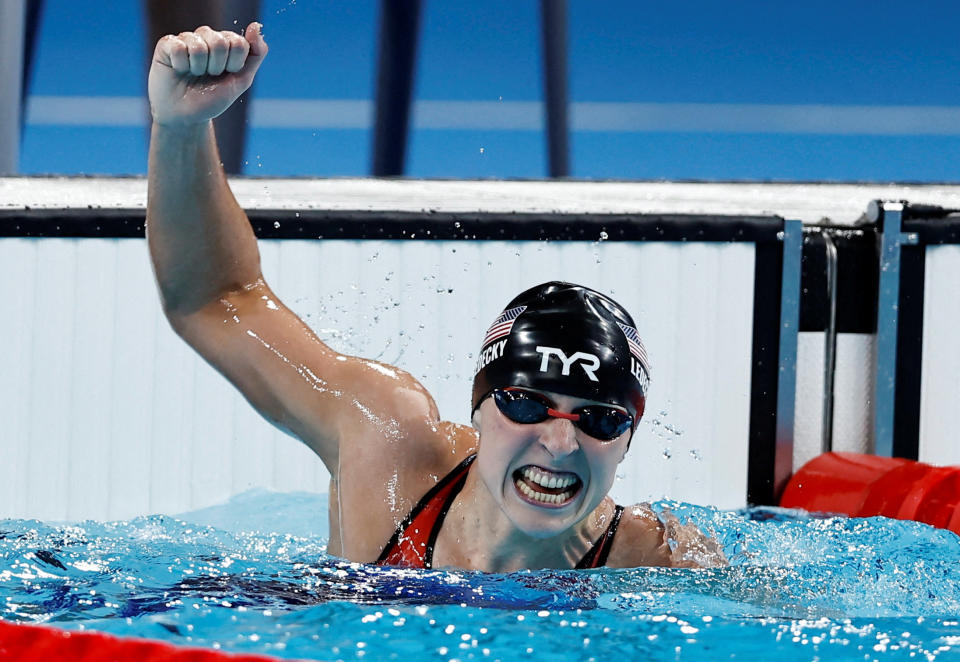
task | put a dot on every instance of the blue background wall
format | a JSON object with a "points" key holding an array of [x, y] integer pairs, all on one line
{"points": [[776, 58]]}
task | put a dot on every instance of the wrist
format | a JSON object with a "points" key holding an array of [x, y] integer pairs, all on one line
{"points": [[180, 128]]}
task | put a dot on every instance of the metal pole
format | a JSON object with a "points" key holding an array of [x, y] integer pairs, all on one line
{"points": [[12, 22], [554, 19], [830, 346], [399, 28], [890, 217], [787, 376]]}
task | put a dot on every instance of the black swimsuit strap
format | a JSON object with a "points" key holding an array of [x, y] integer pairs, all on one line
{"points": [[452, 483], [596, 557], [460, 476]]}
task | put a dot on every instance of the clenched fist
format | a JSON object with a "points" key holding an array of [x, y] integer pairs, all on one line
{"points": [[196, 75]]}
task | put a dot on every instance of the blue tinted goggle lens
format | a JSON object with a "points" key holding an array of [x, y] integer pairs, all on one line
{"points": [[598, 421]]}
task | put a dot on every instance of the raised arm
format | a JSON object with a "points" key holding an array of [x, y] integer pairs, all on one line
{"points": [[200, 240], [207, 266]]}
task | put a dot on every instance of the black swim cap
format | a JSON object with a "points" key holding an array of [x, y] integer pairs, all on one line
{"points": [[567, 339]]}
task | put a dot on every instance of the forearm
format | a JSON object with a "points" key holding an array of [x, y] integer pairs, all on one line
{"points": [[200, 241]]}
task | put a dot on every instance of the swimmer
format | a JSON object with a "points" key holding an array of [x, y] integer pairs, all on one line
{"points": [[560, 387]]}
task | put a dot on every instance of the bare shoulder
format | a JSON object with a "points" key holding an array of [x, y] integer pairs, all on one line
{"points": [[381, 478], [639, 539], [646, 538], [388, 417]]}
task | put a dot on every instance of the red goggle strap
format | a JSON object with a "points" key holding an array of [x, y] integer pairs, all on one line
{"points": [[559, 414]]}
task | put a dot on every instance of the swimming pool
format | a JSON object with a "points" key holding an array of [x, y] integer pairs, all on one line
{"points": [[798, 588]]}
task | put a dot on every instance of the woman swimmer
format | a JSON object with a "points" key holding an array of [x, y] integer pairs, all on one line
{"points": [[560, 385]]}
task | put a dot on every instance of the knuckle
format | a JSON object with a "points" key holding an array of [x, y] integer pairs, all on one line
{"points": [[217, 42], [189, 41]]}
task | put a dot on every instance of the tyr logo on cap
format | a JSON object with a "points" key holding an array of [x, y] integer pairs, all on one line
{"points": [[589, 365]]}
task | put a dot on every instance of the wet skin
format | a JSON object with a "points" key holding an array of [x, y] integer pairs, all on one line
{"points": [[519, 530], [375, 427], [555, 447]]}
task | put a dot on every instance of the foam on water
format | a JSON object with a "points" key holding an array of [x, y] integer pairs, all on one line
{"points": [[798, 587]]}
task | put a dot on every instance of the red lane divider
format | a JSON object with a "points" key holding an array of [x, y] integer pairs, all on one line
{"points": [[868, 485], [40, 643]]}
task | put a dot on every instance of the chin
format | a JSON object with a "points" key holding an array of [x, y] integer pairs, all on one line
{"points": [[542, 520]]}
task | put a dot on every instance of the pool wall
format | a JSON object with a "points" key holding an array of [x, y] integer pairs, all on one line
{"points": [[940, 383], [109, 415]]}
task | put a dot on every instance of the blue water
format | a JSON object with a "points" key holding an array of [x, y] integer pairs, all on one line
{"points": [[798, 588]]}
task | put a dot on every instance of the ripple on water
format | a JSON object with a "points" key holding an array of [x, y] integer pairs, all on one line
{"points": [[798, 587]]}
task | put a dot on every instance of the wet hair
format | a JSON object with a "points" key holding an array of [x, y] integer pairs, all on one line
{"points": [[567, 339]]}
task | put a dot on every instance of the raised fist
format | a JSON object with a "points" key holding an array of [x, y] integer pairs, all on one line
{"points": [[196, 75]]}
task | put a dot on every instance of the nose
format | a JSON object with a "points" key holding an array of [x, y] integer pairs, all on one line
{"points": [[559, 437]]}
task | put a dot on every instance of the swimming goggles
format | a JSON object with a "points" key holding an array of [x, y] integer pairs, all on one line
{"points": [[598, 421]]}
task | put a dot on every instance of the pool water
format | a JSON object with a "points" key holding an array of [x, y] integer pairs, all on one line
{"points": [[798, 588]]}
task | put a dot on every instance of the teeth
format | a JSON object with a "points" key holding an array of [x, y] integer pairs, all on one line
{"points": [[535, 475], [543, 498]]}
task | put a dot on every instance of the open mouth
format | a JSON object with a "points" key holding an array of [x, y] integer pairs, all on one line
{"points": [[542, 487]]}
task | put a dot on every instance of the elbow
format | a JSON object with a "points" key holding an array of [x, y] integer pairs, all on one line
{"points": [[177, 310], [182, 305]]}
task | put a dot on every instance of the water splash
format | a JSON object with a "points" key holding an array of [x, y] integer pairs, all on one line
{"points": [[798, 587]]}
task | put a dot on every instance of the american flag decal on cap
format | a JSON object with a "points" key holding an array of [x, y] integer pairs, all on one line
{"points": [[636, 345], [502, 325]]}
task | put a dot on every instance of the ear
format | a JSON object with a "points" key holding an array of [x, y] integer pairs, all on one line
{"points": [[476, 418]]}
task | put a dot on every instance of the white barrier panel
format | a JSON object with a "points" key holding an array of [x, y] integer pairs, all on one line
{"points": [[107, 414], [853, 395], [940, 370]]}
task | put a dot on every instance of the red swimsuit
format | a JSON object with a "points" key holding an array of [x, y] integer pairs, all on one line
{"points": [[411, 545]]}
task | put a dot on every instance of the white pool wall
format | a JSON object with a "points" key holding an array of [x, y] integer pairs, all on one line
{"points": [[109, 415], [940, 371]]}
